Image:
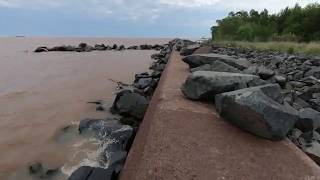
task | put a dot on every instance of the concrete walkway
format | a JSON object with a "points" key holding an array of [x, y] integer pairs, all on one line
{"points": [[185, 140]]}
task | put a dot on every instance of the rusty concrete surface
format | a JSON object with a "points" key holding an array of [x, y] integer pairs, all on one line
{"points": [[184, 140]]}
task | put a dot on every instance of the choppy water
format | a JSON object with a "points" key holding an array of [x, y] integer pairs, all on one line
{"points": [[40, 94]]}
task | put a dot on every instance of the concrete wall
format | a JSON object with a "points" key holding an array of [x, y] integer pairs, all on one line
{"points": [[182, 139]]}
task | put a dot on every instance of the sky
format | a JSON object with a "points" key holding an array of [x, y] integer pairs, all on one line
{"points": [[123, 18]]}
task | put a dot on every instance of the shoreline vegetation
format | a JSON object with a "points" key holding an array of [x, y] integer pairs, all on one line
{"points": [[294, 30]]}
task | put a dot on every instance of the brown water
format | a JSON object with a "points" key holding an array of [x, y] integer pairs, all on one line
{"points": [[42, 93]]}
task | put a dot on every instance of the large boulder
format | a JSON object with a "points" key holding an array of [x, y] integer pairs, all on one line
{"points": [[204, 85], [257, 111], [309, 120], [91, 173], [197, 60], [128, 103], [217, 66], [190, 49]]}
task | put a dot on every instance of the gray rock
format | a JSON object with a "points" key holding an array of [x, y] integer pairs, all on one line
{"points": [[188, 50], [256, 110], [91, 173], [204, 85], [41, 49], [315, 71], [265, 73], [142, 83], [310, 80], [281, 80], [313, 151], [309, 120], [202, 59], [217, 66], [132, 104]]}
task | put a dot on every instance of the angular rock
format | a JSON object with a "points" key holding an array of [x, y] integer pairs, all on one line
{"points": [[281, 80], [217, 66], [188, 50], [41, 49], [142, 83], [181, 43], [202, 59], [132, 104], [309, 120], [256, 110], [265, 73], [204, 85], [91, 173], [100, 47], [315, 71]]}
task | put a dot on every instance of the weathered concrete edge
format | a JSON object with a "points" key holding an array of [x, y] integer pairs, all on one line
{"points": [[138, 148]]}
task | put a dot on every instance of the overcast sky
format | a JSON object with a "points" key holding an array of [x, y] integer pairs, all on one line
{"points": [[123, 18]]}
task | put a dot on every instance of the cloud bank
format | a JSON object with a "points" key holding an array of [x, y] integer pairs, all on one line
{"points": [[170, 13]]}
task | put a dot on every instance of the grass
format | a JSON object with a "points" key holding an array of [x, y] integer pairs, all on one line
{"points": [[312, 48]]}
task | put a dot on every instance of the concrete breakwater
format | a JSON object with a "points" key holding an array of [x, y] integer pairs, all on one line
{"points": [[250, 95], [183, 139], [115, 133]]}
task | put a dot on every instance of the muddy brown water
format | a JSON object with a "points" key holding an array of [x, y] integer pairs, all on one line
{"points": [[40, 94]]}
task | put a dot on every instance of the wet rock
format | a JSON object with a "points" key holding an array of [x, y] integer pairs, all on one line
{"points": [[121, 48], [156, 74], [204, 85], [35, 168], [256, 110], [188, 50], [100, 47], [128, 103], [114, 47], [145, 47], [141, 75], [41, 49], [130, 121], [63, 48], [100, 108], [201, 59], [158, 66], [102, 128], [132, 47], [309, 120], [145, 82], [217, 66], [91, 173], [39, 171]]}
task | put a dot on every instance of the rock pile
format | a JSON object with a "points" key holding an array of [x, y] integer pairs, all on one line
{"points": [[130, 104], [83, 47], [269, 94]]}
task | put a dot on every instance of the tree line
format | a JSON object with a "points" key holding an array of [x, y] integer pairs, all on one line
{"points": [[298, 23]]}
